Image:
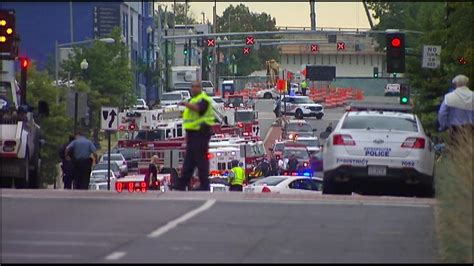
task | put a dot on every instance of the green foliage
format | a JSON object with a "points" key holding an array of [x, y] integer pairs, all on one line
{"points": [[55, 128], [108, 75], [240, 19], [456, 40]]}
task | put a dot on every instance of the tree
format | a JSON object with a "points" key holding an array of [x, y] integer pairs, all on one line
{"points": [[108, 75], [55, 127], [240, 19], [430, 85]]}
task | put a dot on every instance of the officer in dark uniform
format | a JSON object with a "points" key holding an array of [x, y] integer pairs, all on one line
{"points": [[82, 149], [198, 117]]}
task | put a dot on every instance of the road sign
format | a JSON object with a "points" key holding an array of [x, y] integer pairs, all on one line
{"points": [[320, 73], [431, 56], [314, 48], [249, 40], [246, 50], [108, 118], [341, 46]]}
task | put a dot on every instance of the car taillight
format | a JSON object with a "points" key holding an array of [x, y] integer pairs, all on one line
{"points": [[414, 143], [240, 125], [345, 140], [210, 156], [266, 190]]}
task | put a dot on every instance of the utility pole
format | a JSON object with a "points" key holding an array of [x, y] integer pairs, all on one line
{"points": [[214, 50], [312, 14]]}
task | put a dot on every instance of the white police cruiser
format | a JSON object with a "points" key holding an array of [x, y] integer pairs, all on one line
{"points": [[378, 145], [301, 106]]}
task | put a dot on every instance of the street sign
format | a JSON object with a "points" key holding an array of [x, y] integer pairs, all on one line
{"points": [[320, 73], [108, 118], [431, 56]]}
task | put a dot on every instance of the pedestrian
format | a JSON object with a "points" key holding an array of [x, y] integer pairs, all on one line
{"points": [[236, 177], [273, 166], [329, 128], [293, 163], [198, 118], [277, 107], [281, 166], [82, 149], [153, 170], [304, 87], [251, 102], [457, 109], [67, 166]]}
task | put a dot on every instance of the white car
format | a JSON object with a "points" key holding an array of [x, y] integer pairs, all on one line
{"points": [[378, 145], [186, 95], [301, 106], [119, 159], [171, 98], [267, 94], [207, 87], [217, 102], [286, 185], [101, 186], [140, 105], [101, 175], [312, 143]]}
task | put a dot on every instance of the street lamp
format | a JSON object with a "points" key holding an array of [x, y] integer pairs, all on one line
{"points": [[84, 65]]}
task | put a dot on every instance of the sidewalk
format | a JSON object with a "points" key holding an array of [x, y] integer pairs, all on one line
{"points": [[273, 134]]}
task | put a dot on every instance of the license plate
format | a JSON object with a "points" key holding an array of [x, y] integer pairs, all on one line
{"points": [[377, 170]]}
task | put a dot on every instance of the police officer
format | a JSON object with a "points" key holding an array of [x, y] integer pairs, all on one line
{"points": [[236, 177], [66, 165], [198, 117], [82, 149], [304, 87]]}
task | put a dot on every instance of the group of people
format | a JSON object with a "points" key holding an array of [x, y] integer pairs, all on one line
{"points": [[77, 157]]}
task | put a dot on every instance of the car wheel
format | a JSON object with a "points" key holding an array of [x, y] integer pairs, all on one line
{"points": [[319, 117], [299, 114], [267, 95], [23, 182], [426, 191]]}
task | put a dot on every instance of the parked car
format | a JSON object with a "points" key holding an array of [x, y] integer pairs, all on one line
{"points": [[131, 155], [286, 185], [113, 166], [171, 98], [117, 158]]}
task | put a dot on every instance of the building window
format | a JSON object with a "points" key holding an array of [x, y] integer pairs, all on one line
{"points": [[287, 59], [329, 59], [371, 60], [294, 59], [322, 59], [357, 59], [336, 58], [350, 59], [364, 58]]}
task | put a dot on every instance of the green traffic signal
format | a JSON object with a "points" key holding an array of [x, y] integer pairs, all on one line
{"points": [[376, 75], [185, 51], [210, 58], [404, 100]]}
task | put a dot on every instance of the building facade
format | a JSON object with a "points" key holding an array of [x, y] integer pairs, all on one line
{"points": [[43, 24]]}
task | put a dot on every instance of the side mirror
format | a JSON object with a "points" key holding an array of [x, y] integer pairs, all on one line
{"points": [[43, 108], [324, 135]]}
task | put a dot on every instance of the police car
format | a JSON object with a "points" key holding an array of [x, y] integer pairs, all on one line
{"points": [[312, 143], [301, 106], [297, 128], [286, 184], [378, 145]]}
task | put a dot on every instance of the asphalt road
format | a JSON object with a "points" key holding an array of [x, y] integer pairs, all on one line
{"points": [[195, 227]]}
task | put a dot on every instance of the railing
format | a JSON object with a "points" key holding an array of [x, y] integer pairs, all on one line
{"points": [[291, 28]]}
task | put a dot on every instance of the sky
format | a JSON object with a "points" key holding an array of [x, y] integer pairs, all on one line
{"points": [[294, 14]]}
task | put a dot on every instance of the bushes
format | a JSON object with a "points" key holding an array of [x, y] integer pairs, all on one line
{"points": [[454, 177]]}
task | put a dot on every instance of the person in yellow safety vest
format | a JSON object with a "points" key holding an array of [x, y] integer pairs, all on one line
{"points": [[198, 118], [304, 87], [236, 177]]}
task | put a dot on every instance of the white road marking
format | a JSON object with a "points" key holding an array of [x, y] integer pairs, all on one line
{"points": [[172, 224], [37, 255], [116, 255], [67, 233], [54, 243]]}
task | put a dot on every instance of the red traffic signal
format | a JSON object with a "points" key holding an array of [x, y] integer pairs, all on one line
{"points": [[314, 48], [246, 50], [211, 42], [341, 46], [24, 63], [396, 42], [249, 40]]}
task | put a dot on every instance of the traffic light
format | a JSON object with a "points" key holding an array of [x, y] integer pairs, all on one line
{"points": [[7, 34], [185, 50], [395, 52], [376, 72], [210, 58], [24, 64], [404, 94]]}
